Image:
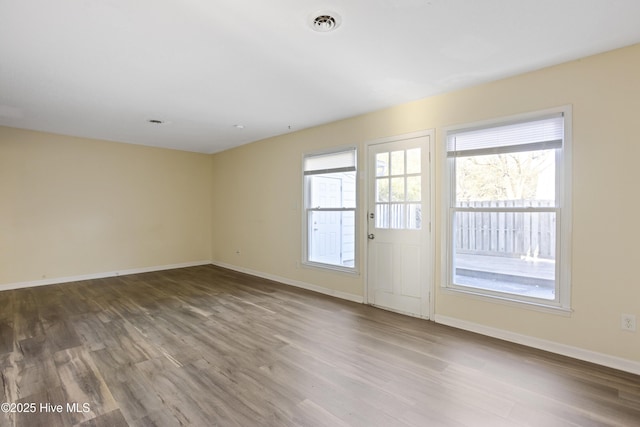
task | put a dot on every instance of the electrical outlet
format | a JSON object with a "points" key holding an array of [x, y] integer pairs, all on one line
{"points": [[628, 322]]}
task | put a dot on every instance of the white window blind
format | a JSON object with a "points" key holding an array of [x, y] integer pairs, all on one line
{"points": [[343, 161], [540, 134]]}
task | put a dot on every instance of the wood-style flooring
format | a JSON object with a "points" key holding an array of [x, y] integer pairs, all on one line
{"points": [[205, 346]]}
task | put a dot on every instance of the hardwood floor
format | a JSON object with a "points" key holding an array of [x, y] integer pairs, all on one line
{"points": [[205, 346]]}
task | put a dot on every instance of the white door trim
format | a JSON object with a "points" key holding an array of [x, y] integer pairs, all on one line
{"points": [[430, 279]]}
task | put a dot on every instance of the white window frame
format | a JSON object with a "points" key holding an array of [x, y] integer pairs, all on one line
{"points": [[307, 209], [562, 302]]}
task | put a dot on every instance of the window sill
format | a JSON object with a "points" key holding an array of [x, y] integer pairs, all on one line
{"points": [[512, 302]]}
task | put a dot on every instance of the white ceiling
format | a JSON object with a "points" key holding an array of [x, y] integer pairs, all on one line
{"points": [[103, 68]]}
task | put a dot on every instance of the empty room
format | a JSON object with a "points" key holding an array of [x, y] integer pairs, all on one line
{"points": [[319, 213]]}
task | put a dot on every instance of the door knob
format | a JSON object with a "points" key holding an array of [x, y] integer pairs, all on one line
{"points": [[371, 236]]}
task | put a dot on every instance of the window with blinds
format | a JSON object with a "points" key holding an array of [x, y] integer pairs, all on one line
{"points": [[330, 209], [505, 200]]}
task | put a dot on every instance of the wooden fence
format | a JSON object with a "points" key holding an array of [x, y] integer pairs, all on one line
{"points": [[509, 234]]}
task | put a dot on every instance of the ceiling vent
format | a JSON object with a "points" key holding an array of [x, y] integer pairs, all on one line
{"points": [[324, 21]]}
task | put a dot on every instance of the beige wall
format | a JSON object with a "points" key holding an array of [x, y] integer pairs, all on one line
{"points": [[72, 207], [257, 192]]}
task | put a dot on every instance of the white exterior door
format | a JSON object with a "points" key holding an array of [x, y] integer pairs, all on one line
{"points": [[398, 225]]}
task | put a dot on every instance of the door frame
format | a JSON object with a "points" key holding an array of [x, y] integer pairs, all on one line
{"points": [[431, 246]]}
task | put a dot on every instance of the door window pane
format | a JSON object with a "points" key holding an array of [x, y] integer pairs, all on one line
{"points": [[413, 161], [382, 215], [382, 164], [397, 189], [414, 187], [396, 215], [397, 163], [382, 190]]}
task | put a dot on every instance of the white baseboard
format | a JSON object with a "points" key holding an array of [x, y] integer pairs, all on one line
{"points": [[296, 283], [615, 362], [57, 280], [102, 275]]}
